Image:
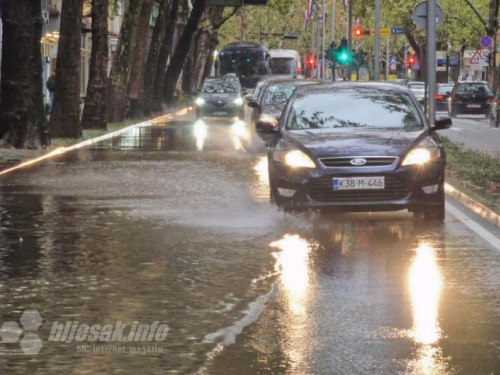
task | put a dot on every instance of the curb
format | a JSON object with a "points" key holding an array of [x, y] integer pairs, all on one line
{"points": [[476, 207], [62, 150]]}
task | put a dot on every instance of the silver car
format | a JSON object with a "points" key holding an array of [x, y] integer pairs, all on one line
{"points": [[418, 88]]}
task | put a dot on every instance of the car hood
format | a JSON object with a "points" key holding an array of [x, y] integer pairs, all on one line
{"points": [[221, 97], [325, 143]]}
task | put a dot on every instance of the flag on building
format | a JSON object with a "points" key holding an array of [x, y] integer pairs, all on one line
{"points": [[309, 12]]}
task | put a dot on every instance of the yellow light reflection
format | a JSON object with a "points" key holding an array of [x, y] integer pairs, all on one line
{"points": [[425, 287], [200, 133], [292, 264], [261, 189]]}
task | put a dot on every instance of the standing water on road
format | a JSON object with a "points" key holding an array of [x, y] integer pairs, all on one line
{"points": [[171, 224]]}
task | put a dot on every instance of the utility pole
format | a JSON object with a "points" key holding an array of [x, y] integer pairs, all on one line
{"points": [[323, 65], [387, 58], [334, 4], [406, 60], [431, 59], [318, 73], [349, 39], [376, 73]]}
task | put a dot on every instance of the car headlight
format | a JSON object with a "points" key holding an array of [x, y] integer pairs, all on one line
{"points": [[200, 101], [287, 154], [420, 156], [238, 101]]}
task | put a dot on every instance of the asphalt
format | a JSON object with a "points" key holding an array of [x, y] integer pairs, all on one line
{"points": [[172, 223]]}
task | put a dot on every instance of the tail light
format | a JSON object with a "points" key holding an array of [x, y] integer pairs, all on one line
{"points": [[490, 99], [439, 97]]}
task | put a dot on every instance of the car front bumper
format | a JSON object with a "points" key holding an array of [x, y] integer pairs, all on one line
{"points": [[229, 110], [314, 188]]}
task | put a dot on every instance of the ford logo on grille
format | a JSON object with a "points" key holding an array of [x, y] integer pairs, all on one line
{"points": [[358, 162]]}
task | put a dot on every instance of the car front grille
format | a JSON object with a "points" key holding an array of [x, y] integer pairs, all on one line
{"points": [[220, 105], [321, 190], [372, 161]]}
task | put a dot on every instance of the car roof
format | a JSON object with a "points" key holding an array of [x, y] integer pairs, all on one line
{"points": [[221, 79], [471, 82], [342, 86], [298, 82]]}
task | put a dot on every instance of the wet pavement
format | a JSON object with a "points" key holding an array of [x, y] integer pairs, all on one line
{"points": [[172, 223]]}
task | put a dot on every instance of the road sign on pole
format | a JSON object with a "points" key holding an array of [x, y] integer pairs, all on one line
{"points": [[485, 54], [477, 61], [486, 41], [397, 31], [420, 15], [384, 31]]}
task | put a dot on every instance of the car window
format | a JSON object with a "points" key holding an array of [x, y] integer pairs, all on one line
{"points": [[473, 88], [278, 94], [282, 65], [220, 87], [354, 110], [418, 86], [444, 89]]}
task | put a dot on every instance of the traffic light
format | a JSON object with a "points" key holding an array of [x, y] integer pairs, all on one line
{"points": [[330, 52], [359, 32], [311, 61], [411, 61], [343, 55]]}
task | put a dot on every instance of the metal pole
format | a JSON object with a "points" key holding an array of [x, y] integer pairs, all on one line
{"points": [[334, 5], [431, 59], [376, 73], [318, 55], [349, 39], [313, 50], [406, 60], [387, 60], [323, 65]]}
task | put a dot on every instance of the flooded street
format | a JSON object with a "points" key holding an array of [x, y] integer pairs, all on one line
{"points": [[172, 224]]}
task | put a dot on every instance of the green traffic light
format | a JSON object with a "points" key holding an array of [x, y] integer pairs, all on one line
{"points": [[344, 56]]}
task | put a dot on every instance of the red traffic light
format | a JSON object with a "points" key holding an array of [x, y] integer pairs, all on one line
{"points": [[357, 31], [311, 61], [411, 60]]}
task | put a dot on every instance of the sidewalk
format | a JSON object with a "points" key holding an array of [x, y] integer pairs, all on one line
{"points": [[475, 133]]}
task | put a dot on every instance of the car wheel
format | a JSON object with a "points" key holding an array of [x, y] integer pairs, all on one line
{"points": [[436, 213]]}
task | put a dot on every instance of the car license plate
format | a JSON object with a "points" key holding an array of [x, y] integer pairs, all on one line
{"points": [[220, 113], [473, 105], [359, 183]]}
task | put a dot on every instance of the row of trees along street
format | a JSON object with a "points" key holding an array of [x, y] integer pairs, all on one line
{"points": [[149, 62]]}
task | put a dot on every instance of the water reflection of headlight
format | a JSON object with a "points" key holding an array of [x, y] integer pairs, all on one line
{"points": [[200, 133], [239, 128], [425, 288], [293, 264]]}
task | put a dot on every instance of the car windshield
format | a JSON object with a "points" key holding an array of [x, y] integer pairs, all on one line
{"points": [[473, 88], [444, 89], [220, 87], [283, 65], [278, 94], [418, 86], [354, 110]]}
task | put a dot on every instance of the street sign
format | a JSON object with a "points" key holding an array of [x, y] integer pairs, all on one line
{"points": [[477, 61], [384, 31], [397, 31], [393, 67], [485, 54], [416, 65], [420, 15], [486, 41], [393, 60], [411, 51]]}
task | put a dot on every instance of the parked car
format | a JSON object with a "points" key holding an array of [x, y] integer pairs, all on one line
{"points": [[418, 89], [357, 147], [470, 98], [220, 97], [275, 95], [443, 92], [495, 110]]}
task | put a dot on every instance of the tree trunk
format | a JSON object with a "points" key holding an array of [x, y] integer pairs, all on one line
{"points": [[135, 84], [22, 120], [118, 78], [65, 118], [176, 12], [94, 112], [181, 52], [154, 51]]}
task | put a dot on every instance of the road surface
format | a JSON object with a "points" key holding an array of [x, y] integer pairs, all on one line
{"points": [[172, 224]]}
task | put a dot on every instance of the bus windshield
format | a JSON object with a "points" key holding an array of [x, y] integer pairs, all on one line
{"points": [[243, 62]]}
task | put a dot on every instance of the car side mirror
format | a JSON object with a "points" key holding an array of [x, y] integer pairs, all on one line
{"points": [[253, 104], [442, 123]]}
